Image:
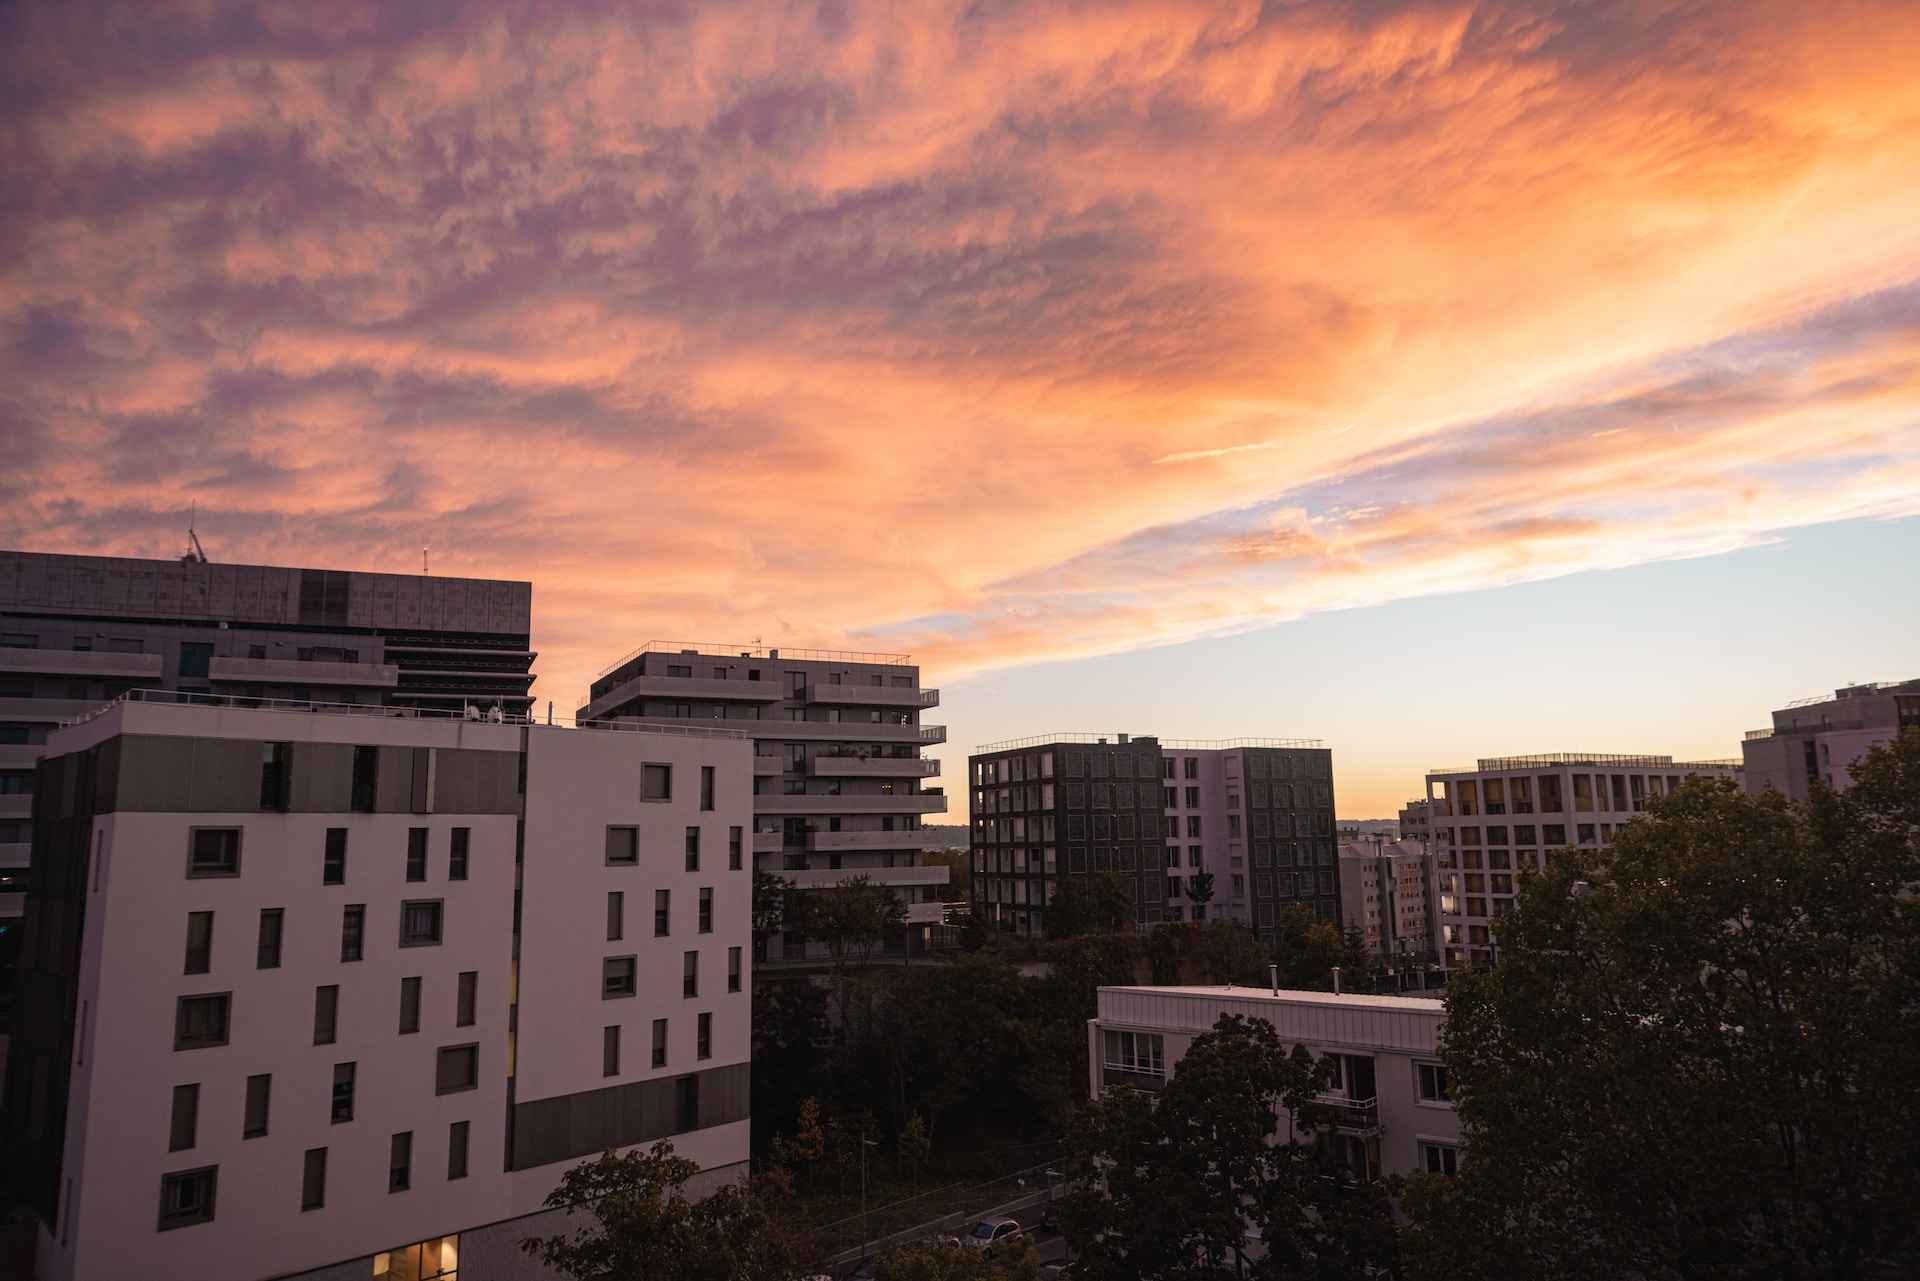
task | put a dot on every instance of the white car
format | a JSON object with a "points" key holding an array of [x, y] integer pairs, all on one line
{"points": [[991, 1232]]}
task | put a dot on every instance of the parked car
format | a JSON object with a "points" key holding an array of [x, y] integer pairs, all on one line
{"points": [[991, 1232]]}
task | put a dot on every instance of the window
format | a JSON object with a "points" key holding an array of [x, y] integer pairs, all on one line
{"points": [[1192, 764], [409, 1005], [1142, 1052], [457, 1068], [366, 771], [420, 923], [186, 1197], [734, 844], [693, 849], [333, 866], [353, 931], [185, 1121], [326, 1013], [616, 915], [457, 1150], [659, 1043], [689, 974], [1436, 1085], [199, 942], [276, 775], [214, 851], [343, 1075], [400, 1162], [1439, 1158], [610, 1051], [253, 1123], [733, 969], [686, 1104], [416, 854], [703, 1037], [706, 911], [466, 998], [313, 1179], [656, 782], [267, 950], [200, 1022], [623, 847], [706, 787], [662, 913], [457, 854], [616, 977], [194, 657]]}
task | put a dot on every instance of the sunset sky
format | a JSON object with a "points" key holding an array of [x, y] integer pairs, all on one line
{"points": [[1437, 379]]}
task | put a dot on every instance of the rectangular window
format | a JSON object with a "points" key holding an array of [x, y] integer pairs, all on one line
{"points": [[199, 942], [326, 1013], [733, 969], [1439, 1158], [333, 866], [195, 657], [656, 782], [703, 1037], [366, 772], [276, 775], [186, 1197], [1435, 1083], [662, 913], [400, 1162], [686, 1104], [693, 849], [353, 931], [185, 1122], [457, 854], [689, 974], [616, 915], [706, 911], [467, 998], [457, 1068], [623, 847], [213, 851], [610, 1051], [734, 847], [343, 1077], [253, 1123], [267, 951], [457, 1151], [409, 1005], [420, 923], [201, 1022], [313, 1179], [659, 1043], [1141, 1052], [416, 854], [706, 787], [616, 977]]}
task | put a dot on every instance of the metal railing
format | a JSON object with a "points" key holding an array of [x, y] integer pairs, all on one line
{"points": [[1358, 1114], [1218, 744], [1142, 740], [714, 649], [1495, 764], [1753, 734]]}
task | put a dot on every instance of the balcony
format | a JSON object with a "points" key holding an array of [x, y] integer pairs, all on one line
{"points": [[768, 842], [292, 671], [15, 854], [846, 732], [764, 765], [48, 710], [829, 695], [20, 755], [1351, 1116], [80, 662], [703, 689], [924, 803], [815, 878], [1114, 1074], [840, 841], [873, 767]]}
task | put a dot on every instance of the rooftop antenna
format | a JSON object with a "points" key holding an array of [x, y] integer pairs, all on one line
{"points": [[196, 554], [423, 560]]}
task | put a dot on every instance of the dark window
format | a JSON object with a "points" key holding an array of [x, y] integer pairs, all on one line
{"points": [[313, 1179], [610, 1051], [214, 851], [457, 855], [616, 977], [194, 657], [267, 951], [457, 1150], [706, 787], [686, 1104], [276, 775], [1435, 1083], [689, 974], [400, 1162], [616, 915], [656, 782], [466, 998], [185, 1122], [703, 1037], [333, 867], [253, 1123], [734, 845], [353, 931], [457, 1068], [733, 969], [659, 1043], [199, 942], [420, 923], [366, 774], [326, 1013], [693, 849], [662, 913], [623, 846], [706, 911], [409, 1005], [186, 1197], [200, 1022], [343, 1076], [416, 854]]}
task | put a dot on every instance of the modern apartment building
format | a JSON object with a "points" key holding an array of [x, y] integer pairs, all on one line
{"points": [[1391, 1099], [840, 788], [1506, 813], [1820, 739], [1254, 814], [1416, 821], [344, 995], [1386, 889]]}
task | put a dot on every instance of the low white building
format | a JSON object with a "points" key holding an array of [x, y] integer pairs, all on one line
{"points": [[1392, 1098], [344, 995]]}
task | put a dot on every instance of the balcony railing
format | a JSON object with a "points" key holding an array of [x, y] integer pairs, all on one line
{"points": [[79, 662], [864, 840], [769, 765], [827, 694], [293, 671], [1357, 1116], [920, 803], [814, 878], [873, 767]]}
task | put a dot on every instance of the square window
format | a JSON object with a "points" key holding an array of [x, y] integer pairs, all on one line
{"points": [[420, 923], [1439, 1158], [623, 847], [186, 1197], [213, 851], [201, 1022], [617, 977], [457, 1068], [656, 782], [1435, 1083]]}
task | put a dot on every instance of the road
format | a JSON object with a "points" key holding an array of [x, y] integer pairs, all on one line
{"points": [[1027, 1211]]}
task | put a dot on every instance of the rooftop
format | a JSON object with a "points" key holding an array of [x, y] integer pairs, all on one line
{"points": [[716, 649], [1134, 740], [1292, 996], [1489, 764], [1857, 691]]}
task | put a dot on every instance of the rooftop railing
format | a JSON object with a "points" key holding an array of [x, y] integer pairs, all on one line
{"points": [[715, 649], [1138, 740], [1494, 764]]}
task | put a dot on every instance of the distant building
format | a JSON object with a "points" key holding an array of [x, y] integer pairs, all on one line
{"points": [[1820, 739], [1506, 813], [345, 995], [1416, 821], [1385, 891], [1254, 814], [839, 786], [1392, 1097]]}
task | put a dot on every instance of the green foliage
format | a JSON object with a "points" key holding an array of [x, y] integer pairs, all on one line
{"points": [[769, 903], [1200, 888], [1097, 904], [913, 1146], [789, 1036], [1695, 1058], [1009, 1261]]}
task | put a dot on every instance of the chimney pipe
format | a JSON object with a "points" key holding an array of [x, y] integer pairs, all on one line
{"points": [[1336, 980], [1273, 978]]}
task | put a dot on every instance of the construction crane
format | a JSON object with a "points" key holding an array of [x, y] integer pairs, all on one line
{"points": [[196, 554]]}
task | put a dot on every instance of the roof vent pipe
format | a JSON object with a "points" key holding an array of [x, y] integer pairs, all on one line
{"points": [[1336, 980], [1273, 978]]}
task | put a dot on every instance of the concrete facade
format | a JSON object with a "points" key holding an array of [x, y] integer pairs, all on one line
{"points": [[1821, 739], [1416, 821], [1386, 889], [456, 953]]}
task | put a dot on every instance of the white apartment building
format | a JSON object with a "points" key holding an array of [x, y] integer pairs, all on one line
{"points": [[1386, 889], [1506, 813], [1394, 1108], [342, 993], [1821, 739]]}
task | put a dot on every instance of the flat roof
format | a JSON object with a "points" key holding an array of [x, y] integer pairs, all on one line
{"points": [[1294, 996]]}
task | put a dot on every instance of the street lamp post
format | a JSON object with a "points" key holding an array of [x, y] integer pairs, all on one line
{"points": [[865, 1143]]}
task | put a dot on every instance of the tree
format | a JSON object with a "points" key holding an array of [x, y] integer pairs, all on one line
{"points": [[803, 1150], [1011, 1261], [913, 1146], [1098, 904], [850, 918], [640, 1224], [789, 1033], [1200, 890], [769, 907], [1695, 1055]]}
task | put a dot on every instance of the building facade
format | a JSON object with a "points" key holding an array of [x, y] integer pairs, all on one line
{"points": [[1819, 740], [344, 995], [840, 787], [1416, 821], [1391, 1097], [1255, 816], [1507, 813], [1386, 889]]}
